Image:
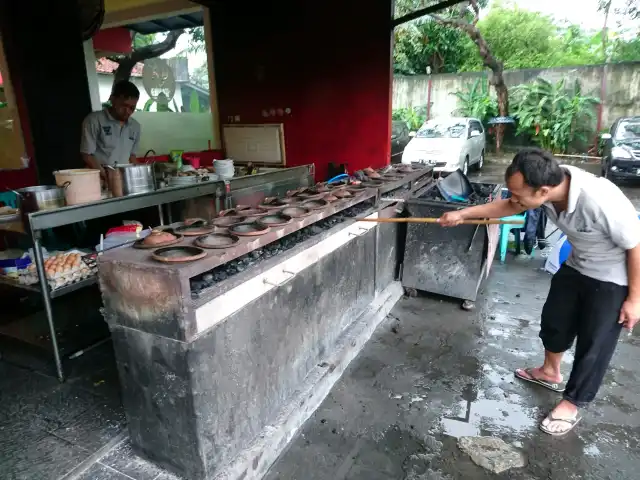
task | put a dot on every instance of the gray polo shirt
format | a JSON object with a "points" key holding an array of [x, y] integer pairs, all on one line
{"points": [[600, 223], [108, 139]]}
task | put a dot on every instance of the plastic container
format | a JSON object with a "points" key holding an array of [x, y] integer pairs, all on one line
{"points": [[83, 187], [455, 187]]}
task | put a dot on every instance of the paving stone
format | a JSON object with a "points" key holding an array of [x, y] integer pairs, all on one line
{"points": [[492, 453], [101, 472], [125, 460]]}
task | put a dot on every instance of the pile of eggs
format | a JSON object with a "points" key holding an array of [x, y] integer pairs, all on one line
{"points": [[62, 264]]}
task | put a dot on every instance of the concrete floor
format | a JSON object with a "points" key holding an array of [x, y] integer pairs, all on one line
{"points": [[433, 373]]}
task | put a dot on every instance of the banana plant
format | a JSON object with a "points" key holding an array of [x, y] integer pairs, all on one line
{"points": [[553, 114], [476, 102]]}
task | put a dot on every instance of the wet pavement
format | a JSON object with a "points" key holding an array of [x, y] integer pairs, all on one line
{"points": [[433, 373]]}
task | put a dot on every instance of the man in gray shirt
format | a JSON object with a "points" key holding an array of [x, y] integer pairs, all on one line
{"points": [[111, 135], [596, 291]]}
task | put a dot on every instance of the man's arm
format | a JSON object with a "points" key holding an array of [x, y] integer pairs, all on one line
{"points": [[630, 311], [88, 144], [91, 162], [497, 209]]}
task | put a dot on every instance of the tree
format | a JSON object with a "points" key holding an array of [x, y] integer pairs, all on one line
{"points": [[426, 43], [465, 18], [143, 49]]}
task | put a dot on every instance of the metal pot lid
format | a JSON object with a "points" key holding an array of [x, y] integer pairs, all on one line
{"points": [[217, 240]]}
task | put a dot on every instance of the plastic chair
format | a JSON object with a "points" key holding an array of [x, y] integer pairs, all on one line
{"points": [[504, 233]]}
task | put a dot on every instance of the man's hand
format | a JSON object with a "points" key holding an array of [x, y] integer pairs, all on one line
{"points": [[451, 219], [629, 313]]}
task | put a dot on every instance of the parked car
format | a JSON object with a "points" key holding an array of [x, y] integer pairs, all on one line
{"points": [[399, 139], [621, 155], [448, 144]]}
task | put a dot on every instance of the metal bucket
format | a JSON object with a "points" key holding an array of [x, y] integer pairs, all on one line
{"points": [[131, 179]]}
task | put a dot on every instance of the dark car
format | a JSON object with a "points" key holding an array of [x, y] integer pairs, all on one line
{"points": [[621, 156], [399, 139]]}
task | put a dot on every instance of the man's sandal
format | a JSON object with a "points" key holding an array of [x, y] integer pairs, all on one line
{"points": [[554, 387], [571, 422]]}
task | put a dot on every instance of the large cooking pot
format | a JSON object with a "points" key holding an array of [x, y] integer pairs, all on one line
{"points": [[81, 185], [129, 179], [41, 197]]}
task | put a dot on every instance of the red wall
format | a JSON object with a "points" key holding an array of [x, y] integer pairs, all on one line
{"points": [[328, 61]]}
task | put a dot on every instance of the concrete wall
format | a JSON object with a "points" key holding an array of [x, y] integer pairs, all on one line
{"points": [[622, 85]]}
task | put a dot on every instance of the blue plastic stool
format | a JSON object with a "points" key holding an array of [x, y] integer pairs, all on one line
{"points": [[504, 232], [10, 199]]}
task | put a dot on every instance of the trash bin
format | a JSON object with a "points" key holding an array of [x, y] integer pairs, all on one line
{"points": [[448, 261]]}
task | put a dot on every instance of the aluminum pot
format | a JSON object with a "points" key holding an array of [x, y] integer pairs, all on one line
{"points": [[41, 197], [130, 179], [34, 199]]}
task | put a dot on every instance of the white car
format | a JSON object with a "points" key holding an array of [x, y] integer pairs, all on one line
{"points": [[448, 144]]}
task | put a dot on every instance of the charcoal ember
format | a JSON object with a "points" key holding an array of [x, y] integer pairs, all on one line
{"points": [[223, 276], [256, 253], [241, 267], [207, 277], [315, 230]]}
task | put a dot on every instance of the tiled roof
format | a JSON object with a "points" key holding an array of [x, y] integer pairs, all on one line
{"points": [[104, 65]]}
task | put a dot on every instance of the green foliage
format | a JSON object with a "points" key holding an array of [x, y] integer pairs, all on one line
{"points": [[555, 116], [413, 117], [518, 37], [428, 44], [475, 101], [625, 50]]}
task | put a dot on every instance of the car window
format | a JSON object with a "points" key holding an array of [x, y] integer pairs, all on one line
{"points": [[396, 128], [628, 130], [475, 125], [442, 129]]}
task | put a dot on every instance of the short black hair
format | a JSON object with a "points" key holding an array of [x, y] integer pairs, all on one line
{"points": [[126, 89], [538, 167]]}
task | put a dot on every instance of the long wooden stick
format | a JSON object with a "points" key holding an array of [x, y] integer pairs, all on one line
{"points": [[490, 221]]}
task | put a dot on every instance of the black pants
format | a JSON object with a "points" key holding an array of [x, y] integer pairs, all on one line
{"points": [[589, 309]]}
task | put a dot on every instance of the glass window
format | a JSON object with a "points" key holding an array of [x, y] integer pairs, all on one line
{"points": [[174, 108], [450, 128], [628, 130]]}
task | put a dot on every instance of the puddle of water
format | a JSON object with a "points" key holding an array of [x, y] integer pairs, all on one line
{"points": [[592, 450], [470, 417]]}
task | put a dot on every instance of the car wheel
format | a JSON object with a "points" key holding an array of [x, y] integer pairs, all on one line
{"points": [[480, 164], [465, 167]]}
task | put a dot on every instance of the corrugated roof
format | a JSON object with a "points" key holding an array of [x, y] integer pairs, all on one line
{"points": [[178, 22]]}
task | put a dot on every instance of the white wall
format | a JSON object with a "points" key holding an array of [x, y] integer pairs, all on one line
{"points": [[165, 131]]}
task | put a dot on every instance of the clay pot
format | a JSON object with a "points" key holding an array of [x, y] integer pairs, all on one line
{"points": [[159, 237]]}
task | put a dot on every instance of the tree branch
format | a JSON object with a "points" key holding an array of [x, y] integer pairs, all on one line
{"points": [[476, 11], [156, 49]]}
